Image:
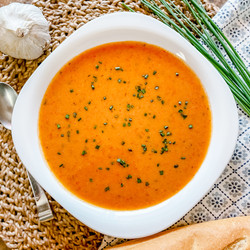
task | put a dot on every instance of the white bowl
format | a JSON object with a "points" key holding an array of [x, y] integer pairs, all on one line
{"points": [[122, 27]]}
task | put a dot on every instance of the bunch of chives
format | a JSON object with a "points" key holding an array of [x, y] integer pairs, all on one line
{"points": [[238, 80]]}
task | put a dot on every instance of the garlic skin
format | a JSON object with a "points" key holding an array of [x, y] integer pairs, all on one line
{"points": [[24, 31]]}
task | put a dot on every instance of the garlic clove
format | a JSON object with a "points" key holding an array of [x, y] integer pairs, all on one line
{"points": [[24, 31]]}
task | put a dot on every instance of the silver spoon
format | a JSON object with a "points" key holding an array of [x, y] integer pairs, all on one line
{"points": [[8, 98]]}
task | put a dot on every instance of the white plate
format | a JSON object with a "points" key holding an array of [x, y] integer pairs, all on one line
{"points": [[122, 27]]}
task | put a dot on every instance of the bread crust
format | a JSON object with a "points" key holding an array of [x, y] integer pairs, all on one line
{"points": [[232, 233]]}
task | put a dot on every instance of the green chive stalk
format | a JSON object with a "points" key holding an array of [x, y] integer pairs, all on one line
{"points": [[238, 80]]}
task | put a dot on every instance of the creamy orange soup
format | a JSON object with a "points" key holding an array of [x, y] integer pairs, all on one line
{"points": [[125, 125]]}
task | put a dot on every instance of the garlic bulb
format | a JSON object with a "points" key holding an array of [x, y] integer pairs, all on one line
{"points": [[24, 32]]}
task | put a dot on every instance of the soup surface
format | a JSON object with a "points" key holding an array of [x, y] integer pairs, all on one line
{"points": [[125, 125]]}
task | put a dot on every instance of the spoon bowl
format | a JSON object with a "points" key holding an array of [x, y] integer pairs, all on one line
{"points": [[8, 98]]}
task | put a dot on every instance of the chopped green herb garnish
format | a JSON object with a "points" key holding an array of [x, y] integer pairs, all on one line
{"points": [[84, 152], [183, 158], [161, 133], [122, 185], [61, 165], [104, 98], [176, 166], [97, 66], [74, 114], [90, 180], [86, 108], [62, 135], [164, 149], [97, 146], [140, 92], [177, 74], [58, 126], [156, 87], [67, 116], [183, 115], [146, 183], [139, 180], [123, 142], [190, 126], [77, 131], [144, 147], [111, 107], [71, 91], [122, 162], [118, 68], [106, 189], [161, 172], [146, 129], [129, 177], [58, 153]]}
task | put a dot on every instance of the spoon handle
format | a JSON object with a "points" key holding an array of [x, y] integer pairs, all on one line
{"points": [[43, 207]]}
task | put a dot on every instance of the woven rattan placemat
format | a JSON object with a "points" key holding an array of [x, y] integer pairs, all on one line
{"points": [[19, 224]]}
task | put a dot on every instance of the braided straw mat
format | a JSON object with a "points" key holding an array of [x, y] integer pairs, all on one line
{"points": [[19, 224]]}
